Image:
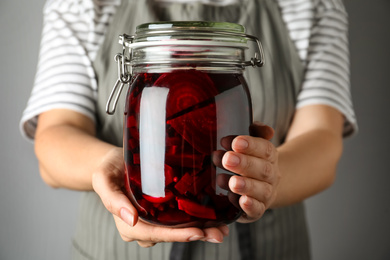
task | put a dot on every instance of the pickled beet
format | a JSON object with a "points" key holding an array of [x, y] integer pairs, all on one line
{"points": [[174, 123]]}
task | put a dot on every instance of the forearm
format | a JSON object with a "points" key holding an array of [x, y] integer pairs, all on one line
{"points": [[307, 164], [68, 155]]}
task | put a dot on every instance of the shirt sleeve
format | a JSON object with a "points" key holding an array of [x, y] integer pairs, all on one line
{"points": [[327, 77], [65, 78]]}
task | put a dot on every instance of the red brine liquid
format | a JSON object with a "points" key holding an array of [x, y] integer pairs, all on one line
{"points": [[177, 127]]}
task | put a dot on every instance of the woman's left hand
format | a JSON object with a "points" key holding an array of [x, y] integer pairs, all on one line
{"points": [[255, 161]]}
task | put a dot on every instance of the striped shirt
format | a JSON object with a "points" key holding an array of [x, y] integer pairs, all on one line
{"points": [[74, 29]]}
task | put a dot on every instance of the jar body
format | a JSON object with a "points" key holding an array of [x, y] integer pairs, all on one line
{"points": [[178, 124]]}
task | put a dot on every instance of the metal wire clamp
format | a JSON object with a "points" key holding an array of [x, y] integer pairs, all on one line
{"points": [[124, 77]]}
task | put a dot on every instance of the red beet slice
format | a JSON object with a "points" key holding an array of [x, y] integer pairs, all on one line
{"points": [[194, 209], [168, 197], [194, 183], [134, 175], [133, 131], [131, 121], [173, 141], [136, 158], [173, 216], [132, 144], [202, 179], [186, 89], [169, 175], [190, 106], [184, 160], [185, 184], [198, 128], [181, 154]]}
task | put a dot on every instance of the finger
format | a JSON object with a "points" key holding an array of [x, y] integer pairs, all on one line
{"points": [[253, 209], [113, 198], [249, 166], [222, 180], [226, 142], [224, 229], [147, 233], [214, 234], [164, 234], [259, 190], [255, 146], [146, 244], [258, 129], [217, 158]]}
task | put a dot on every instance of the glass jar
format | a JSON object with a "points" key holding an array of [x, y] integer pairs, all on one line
{"points": [[187, 100]]}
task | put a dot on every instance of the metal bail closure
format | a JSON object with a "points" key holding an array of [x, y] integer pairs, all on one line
{"points": [[256, 61], [124, 77]]}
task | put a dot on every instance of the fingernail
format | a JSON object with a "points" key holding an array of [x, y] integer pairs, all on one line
{"points": [[240, 144], [231, 159], [195, 238], [239, 183], [127, 217], [245, 200], [213, 240], [225, 230]]}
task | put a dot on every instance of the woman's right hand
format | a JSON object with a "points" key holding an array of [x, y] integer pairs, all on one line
{"points": [[108, 183]]}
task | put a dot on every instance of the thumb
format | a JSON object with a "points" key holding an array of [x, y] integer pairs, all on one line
{"points": [[258, 129], [114, 199]]}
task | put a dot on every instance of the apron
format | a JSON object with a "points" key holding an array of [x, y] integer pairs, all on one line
{"points": [[281, 233]]}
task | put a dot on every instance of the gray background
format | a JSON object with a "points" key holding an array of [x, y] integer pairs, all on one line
{"points": [[348, 221]]}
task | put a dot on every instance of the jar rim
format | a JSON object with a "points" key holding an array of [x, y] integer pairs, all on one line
{"points": [[190, 25], [188, 33]]}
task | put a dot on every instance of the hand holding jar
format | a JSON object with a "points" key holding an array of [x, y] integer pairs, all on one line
{"points": [[108, 183], [255, 161]]}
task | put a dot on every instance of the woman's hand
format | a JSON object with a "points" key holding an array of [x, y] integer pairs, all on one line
{"points": [[108, 182], [255, 160]]}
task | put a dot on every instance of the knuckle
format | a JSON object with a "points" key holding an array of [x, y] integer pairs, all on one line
{"points": [[257, 213], [151, 238], [275, 155], [247, 164], [249, 185], [267, 172], [126, 238], [261, 210], [269, 149], [267, 191]]}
